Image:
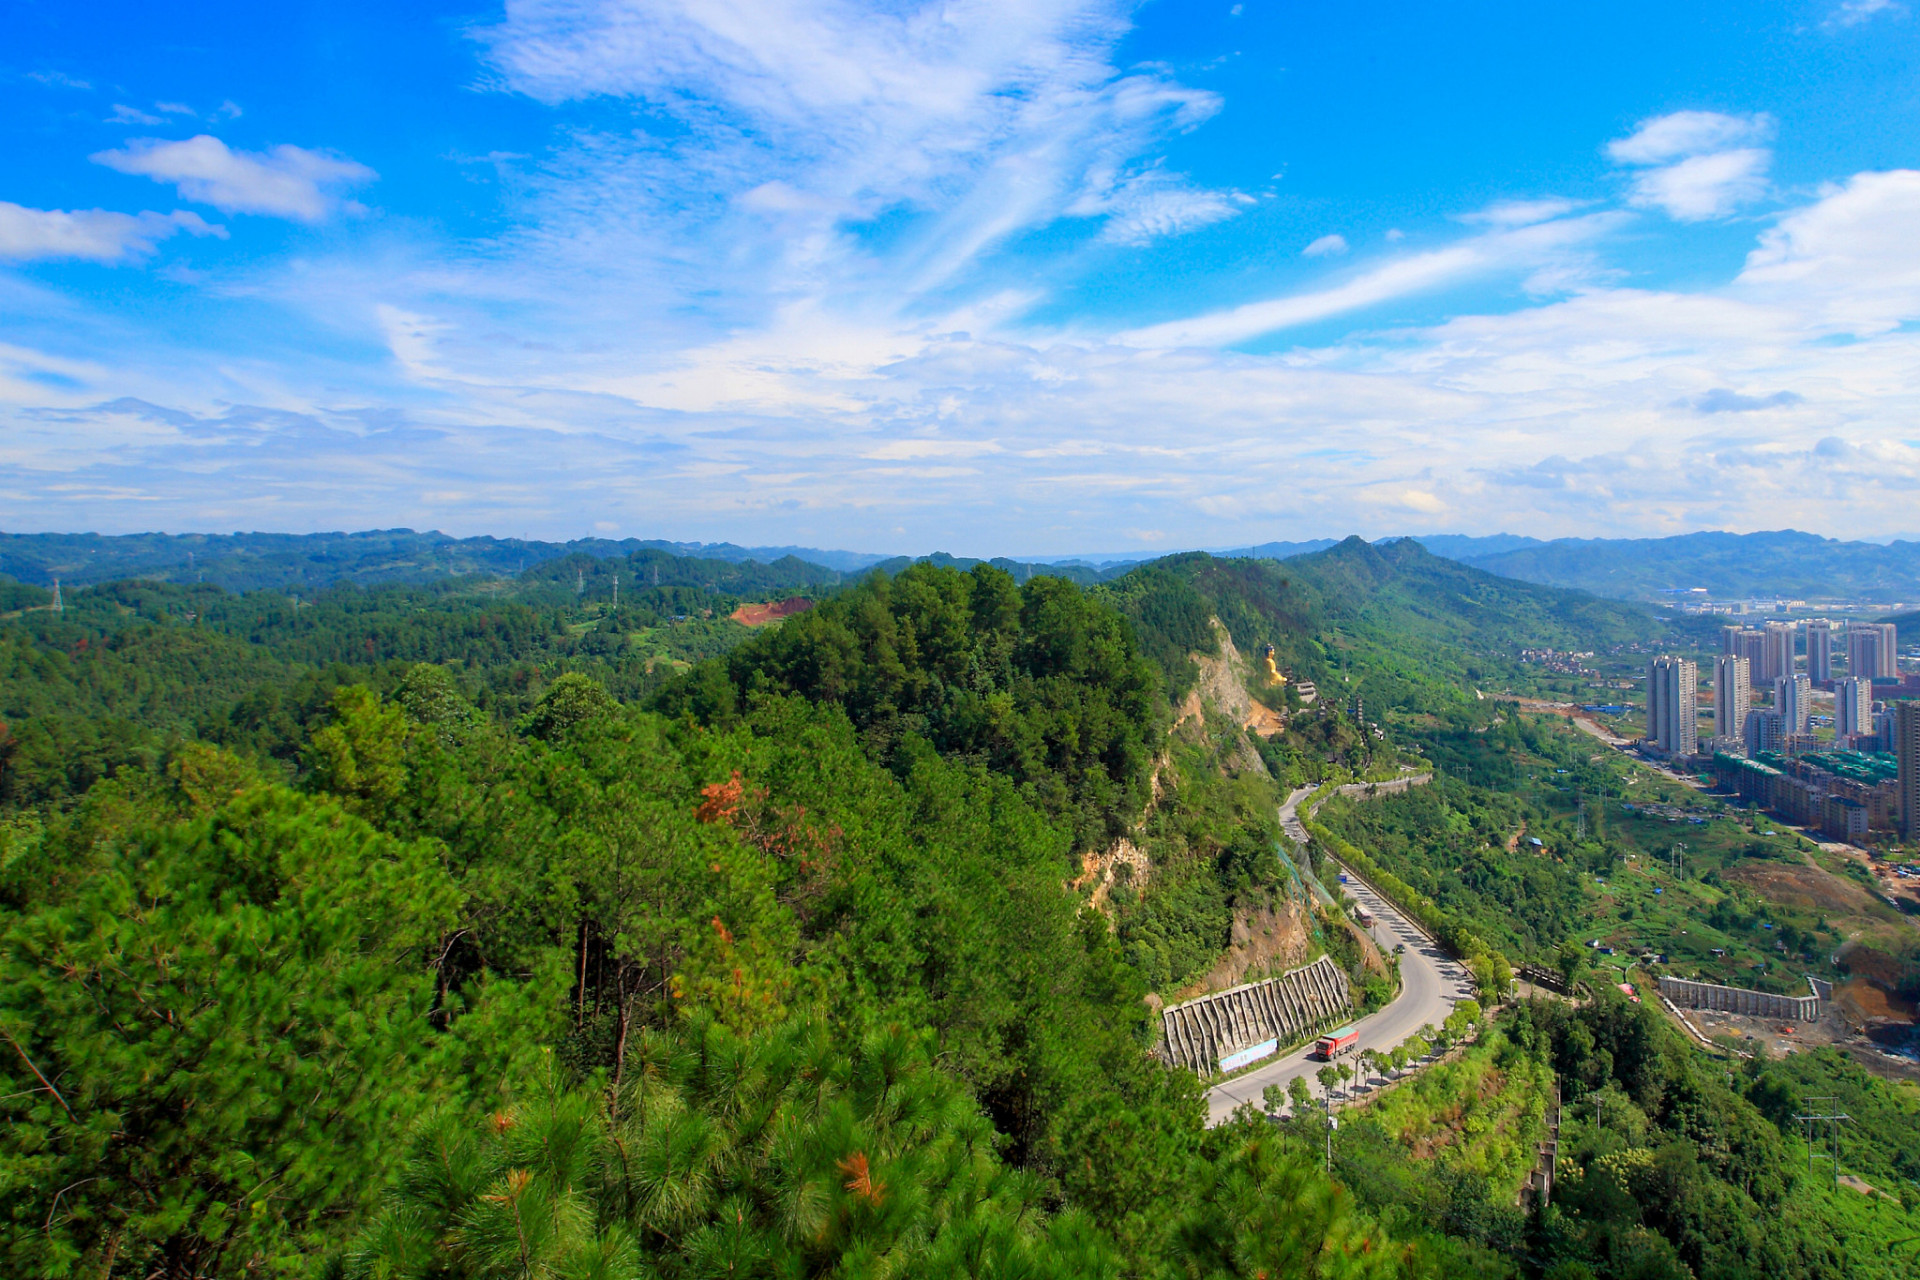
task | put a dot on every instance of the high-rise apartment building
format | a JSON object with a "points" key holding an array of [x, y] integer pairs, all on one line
{"points": [[1793, 699], [1778, 650], [1732, 699], [1819, 650], [1763, 731], [1906, 745], [1872, 650], [1730, 639], [1751, 644], [1882, 739], [1852, 707], [1673, 706]]}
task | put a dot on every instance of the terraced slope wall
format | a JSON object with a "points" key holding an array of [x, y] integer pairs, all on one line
{"points": [[1706, 995], [1204, 1035]]}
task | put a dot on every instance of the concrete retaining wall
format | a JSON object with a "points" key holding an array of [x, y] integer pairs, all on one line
{"points": [[1759, 1004], [1201, 1033]]}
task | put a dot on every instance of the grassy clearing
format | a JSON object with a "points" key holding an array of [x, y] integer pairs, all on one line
{"points": [[1482, 1113]]}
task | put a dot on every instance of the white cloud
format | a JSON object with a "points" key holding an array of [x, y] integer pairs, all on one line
{"points": [[1688, 133], [1851, 260], [1153, 205], [58, 80], [285, 182], [175, 109], [92, 235], [1414, 274], [124, 114], [1852, 13], [1521, 213], [1328, 246], [1523, 248], [988, 117], [1704, 187], [1704, 164]]}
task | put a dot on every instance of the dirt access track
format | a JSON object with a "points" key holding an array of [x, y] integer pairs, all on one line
{"points": [[1571, 711]]}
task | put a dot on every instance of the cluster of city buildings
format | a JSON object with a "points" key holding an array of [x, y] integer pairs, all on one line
{"points": [[1556, 660], [1764, 746]]}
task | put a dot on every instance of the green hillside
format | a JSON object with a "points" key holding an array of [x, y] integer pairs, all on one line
{"points": [[488, 928], [1404, 627]]}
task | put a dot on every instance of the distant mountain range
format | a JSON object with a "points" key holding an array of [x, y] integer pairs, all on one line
{"points": [[288, 561], [1729, 566]]}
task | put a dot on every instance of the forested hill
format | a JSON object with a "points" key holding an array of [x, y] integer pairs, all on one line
{"points": [[1403, 626], [1399, 588]]}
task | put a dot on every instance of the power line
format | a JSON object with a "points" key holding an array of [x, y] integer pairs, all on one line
{"points": [[1824, 1111]]}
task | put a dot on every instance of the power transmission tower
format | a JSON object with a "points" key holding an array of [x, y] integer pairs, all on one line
{"points": [[1824, 1111], [58, 605], [616, 591], [1676, 858]]}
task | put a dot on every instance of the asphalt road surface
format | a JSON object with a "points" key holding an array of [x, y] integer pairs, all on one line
{"points": [[1430, 981]]}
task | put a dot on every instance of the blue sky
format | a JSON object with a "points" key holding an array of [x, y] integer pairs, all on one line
{"points": [[1021, 278]]}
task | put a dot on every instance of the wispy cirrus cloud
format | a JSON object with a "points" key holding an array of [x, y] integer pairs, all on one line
{"points": [[1851, 13], [1516, 249], [984, 117], [284, 182], [59, 80], [124, 114]]}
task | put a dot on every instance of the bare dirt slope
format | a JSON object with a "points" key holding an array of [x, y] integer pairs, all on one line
{"points": [[759, 615], [1265, 942], [1123, 860], [1223, 685]]}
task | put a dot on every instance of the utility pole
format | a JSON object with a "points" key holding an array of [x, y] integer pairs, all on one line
{"points": [[1824, 1111]]}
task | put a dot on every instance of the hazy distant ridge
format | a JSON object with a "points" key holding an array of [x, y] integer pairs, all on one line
{"points": [[252, 561], [1731, 566], [1728, 565]]}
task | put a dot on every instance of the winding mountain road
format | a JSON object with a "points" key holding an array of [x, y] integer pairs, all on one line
{"points": [[1430, 980]]}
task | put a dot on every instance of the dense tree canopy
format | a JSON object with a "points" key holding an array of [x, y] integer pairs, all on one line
{"points": [[516, 946], [1035, 682]]}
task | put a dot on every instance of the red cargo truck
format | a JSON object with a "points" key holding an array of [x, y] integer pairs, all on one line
{"points": [[1335, 1043]]}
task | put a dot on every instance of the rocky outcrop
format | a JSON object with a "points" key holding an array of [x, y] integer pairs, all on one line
{"points": [[1124, 861], [1222, 685]]}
